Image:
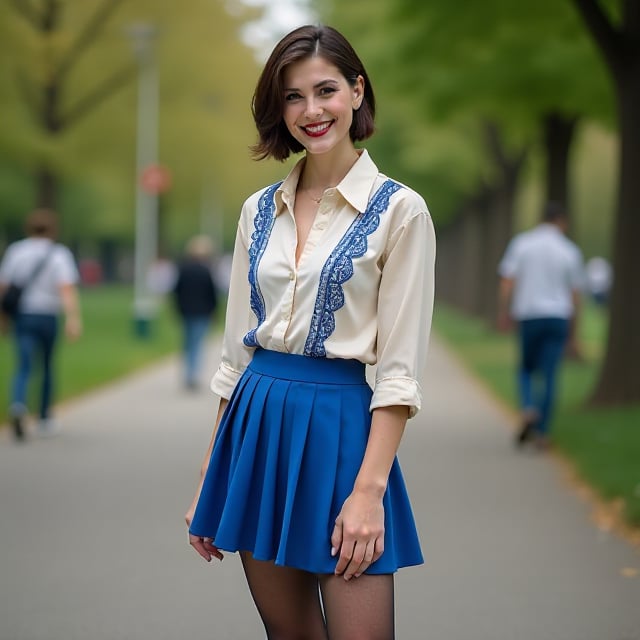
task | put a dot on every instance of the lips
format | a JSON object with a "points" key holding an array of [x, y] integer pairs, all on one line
{"points": [[317, 130]]}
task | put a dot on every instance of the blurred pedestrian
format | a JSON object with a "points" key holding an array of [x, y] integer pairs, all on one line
{"points": [[599, 276], [48, 276], [542, 277], [196, 300], [332, 269]]}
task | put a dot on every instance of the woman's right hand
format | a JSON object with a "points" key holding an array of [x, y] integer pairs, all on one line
{"points": [[203, 546]]}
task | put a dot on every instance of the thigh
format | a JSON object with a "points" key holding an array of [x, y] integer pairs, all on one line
{"points": [[48, 334], [555, 339], [528, 339], [25, 341], [359, 609], [287, 599]]}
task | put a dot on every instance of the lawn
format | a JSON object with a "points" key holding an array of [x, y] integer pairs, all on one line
{"points": [[603, 444], [108, 349]]}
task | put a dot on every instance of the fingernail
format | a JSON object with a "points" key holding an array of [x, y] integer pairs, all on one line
{"points": [[333, 551]]}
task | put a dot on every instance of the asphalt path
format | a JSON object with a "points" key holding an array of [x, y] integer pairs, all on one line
{"points": [[93, 545]]}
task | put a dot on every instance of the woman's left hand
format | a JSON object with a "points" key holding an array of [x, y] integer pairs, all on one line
{"points": [[358, 535]]}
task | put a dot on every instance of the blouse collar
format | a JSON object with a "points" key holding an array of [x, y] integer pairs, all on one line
{"points": [[355, 187]]}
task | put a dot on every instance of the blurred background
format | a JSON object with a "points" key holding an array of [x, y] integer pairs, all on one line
{"points": [[132, 120]]}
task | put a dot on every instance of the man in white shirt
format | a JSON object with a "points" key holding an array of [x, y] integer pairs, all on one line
{"points": [[48, 275], [541, 276]]}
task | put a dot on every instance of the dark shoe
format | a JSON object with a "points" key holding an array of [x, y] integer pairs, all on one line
{"points": [[526, 433], [18, 427]]}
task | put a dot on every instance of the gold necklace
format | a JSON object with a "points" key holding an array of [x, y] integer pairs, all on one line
{"points": [[316, 200]]}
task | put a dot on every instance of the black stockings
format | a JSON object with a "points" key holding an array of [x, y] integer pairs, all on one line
{"points": [[360, 609], [288, 601]]}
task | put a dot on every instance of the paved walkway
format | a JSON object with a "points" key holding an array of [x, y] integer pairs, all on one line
{"points": [[93, 546]]}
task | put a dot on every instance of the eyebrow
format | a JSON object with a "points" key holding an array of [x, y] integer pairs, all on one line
{"points": [[315, 86]]}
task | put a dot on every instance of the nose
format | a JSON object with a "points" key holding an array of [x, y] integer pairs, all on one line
{"points": [[312, 108]]}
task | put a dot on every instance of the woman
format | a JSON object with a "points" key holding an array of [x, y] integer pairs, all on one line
{"points": [[332, 270]]}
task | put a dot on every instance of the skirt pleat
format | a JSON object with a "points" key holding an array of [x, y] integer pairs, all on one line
{"points": [[285, 458]]}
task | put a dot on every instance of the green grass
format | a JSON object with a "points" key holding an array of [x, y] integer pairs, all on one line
{"points": [[604, 444], [107, 350]]}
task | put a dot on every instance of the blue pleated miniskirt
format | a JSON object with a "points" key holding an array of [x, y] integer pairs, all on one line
{"points": [[285, 458]]}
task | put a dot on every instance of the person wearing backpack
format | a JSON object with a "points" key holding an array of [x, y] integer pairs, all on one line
{"points": [[46, 275]]}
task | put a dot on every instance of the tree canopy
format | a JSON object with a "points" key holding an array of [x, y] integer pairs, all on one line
{"points": [[206, 79]]}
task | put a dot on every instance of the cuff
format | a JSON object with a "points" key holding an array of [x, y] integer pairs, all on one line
{"points": [[397, 391], [224, 380]]}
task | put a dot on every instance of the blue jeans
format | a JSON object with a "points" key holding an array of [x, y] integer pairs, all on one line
{"points": [[542, 342], [35, 336], [194, 331]]}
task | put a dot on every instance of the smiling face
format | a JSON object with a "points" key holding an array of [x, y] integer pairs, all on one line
{"points": [[319, 104]]}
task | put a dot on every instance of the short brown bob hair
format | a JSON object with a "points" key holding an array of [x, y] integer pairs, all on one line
{"points": [[268, 99]]}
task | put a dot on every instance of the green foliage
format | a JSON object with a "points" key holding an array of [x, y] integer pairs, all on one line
{"points": [[206, 81], [603, 444], [442, 68]]}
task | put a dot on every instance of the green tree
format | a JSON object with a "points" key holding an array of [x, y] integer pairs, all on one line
{"points": [[207, 77], [45, 88], [617, 35]]}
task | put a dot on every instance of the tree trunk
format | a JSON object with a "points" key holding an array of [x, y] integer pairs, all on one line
{"points": [[46, 188], [498, 219], [498, 228], [558, 134], [469, 256], [618, 383]]}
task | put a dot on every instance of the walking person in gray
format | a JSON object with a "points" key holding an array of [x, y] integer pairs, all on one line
{"points": [[541, 277], [47, 274]]}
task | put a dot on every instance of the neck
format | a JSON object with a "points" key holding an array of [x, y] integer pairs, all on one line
{"points": [[326, 170]]}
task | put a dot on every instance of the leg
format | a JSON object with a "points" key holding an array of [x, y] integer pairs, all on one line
{"points": [[195, 329], [360, 609], [526, 370], [47, 339], [199, 326], [551, 354], [186, 347], [25, 345], [287, 600]]}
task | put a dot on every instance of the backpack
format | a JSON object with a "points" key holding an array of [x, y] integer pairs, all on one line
{"points": [[10, 302]]}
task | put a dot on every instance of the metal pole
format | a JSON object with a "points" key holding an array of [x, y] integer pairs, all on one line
{"points": [[146, 228]]}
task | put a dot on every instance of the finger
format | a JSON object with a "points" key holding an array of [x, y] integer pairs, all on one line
{"points": [[205, 547], [336, 537], [378, 548], [212, 549], [357, 558], [345, 554], [368, 559], [198, 544]]}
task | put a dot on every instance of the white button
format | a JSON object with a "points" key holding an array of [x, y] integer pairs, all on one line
{"points": [[321, 225], [292, 276]]}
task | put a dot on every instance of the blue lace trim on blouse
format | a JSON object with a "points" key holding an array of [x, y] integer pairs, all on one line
{"points": [[262, 223], [339, 268]]}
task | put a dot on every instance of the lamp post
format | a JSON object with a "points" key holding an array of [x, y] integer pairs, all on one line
{"points": [[146, 222]]}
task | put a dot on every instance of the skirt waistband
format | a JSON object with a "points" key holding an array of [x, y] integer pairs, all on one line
{"points": [[292, 366]]}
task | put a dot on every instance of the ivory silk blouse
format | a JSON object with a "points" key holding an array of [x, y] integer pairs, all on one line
{"points": [[362, 288]]}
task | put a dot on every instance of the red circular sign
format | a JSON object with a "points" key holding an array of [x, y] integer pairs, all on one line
{"points": [[155, 179]]}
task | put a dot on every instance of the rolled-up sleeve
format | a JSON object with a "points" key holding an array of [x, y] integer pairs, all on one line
{"points": [[405, 307], [235, 355]]}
